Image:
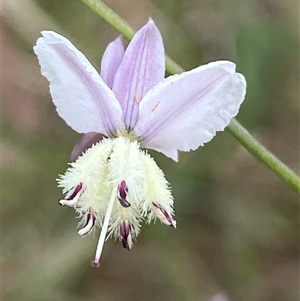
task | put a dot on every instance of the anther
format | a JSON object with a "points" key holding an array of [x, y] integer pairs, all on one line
{"points": [[74, 196], [155, 106], [126, 237], [122, 194], [137, 97], [164, 216], [89, 225]]}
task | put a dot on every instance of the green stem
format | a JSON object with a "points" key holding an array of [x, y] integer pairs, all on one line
{"points": [[124, 28], [235, 128], [263, 155]]}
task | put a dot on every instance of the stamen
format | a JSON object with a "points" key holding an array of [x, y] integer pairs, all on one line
{"points": [[163, 215], [137, 97], [122, 194], [125, 232], [155, 106], [90, 222], [74, 197], [95, 262]]}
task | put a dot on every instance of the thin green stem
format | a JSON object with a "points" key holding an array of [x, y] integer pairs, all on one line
{"points": [[263, 155], [235, 128], [109, 16], [125, 29]]}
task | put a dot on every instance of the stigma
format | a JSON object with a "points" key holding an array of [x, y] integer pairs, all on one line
{"points": [[116, 185]]}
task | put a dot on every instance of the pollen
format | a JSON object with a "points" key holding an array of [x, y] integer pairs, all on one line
{"points": [[115, 185]]}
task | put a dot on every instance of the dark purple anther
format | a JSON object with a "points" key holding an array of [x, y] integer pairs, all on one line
{"points": [[164, 215], [89, 225], [122, 194], [125, 232], [74, 196], [75, 192]]}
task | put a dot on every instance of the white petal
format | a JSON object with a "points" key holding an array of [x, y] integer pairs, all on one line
{"points": [[185, 111], [81, 97]]}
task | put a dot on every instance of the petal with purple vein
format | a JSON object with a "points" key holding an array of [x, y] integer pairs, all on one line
{"points": [[81, 97], [111, 60], [186, 110], [142, 67]]}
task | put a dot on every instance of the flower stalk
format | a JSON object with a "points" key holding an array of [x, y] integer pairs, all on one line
{"points": [[234, 128]]}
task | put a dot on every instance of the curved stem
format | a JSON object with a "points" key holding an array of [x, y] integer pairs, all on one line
{"points": [[235, 128], [263, 155], [124, 28]]}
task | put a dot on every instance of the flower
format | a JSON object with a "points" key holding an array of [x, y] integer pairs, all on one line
{"points": [[113, 182]]}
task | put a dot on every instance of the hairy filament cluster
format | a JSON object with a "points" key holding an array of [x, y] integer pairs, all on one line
{"points": [[117, 181]]}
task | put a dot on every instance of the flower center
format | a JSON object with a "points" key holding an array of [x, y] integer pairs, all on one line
{"points": [[129, 134]]}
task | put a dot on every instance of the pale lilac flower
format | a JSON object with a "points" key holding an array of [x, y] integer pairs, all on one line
{"points": [[114, 183]]}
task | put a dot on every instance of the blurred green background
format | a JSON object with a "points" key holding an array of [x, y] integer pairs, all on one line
{"points": [[238, 224]]}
